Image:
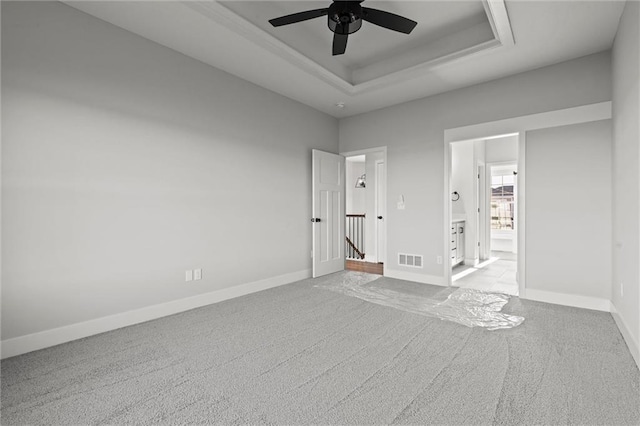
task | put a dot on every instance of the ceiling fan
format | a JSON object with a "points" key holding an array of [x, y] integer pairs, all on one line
{"points": [[345, 17]]}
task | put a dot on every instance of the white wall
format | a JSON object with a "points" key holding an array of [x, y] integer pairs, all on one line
{"points": [[461, 177], [626, 176], [502, 149], [414, 135], [355, 197], [125, 163], [568, 199], [463, 180]]}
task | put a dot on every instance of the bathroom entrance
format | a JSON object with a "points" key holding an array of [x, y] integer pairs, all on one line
{"points": [[484, 214]]}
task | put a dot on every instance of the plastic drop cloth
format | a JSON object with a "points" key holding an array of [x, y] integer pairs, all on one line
{"points": [[469, 307]]}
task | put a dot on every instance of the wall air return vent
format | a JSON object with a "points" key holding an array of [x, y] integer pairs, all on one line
{"points": [[413, 260]]}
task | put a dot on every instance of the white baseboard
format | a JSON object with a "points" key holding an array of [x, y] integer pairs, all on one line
{"points": [[44, 339], [630, 340], [412, 276], [574, 300]]}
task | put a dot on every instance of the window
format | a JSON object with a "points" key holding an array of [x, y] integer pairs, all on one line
{"points": [[502, 202]]}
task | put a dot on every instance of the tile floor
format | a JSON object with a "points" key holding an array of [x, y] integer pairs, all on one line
{"points": [[497, 274]]}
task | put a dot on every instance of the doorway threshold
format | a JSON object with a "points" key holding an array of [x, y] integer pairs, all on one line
{"points": [[361, 266]]}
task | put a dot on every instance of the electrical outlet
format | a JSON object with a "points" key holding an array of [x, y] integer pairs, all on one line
{"points": [[439, 260], [621, 289], [197, 274], [188, 275]]}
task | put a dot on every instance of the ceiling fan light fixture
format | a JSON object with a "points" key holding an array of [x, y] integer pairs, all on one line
{"points": [[344, 17]]}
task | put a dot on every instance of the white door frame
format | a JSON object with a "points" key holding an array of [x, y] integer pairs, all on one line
{"points": [[483, 250], [383, 208], [519, 201], [519, 125]]}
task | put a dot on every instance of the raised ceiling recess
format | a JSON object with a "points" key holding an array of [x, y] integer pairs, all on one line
{"points": [[446, 31], [455, 44]]}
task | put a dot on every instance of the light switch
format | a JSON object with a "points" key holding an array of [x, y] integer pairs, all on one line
{"points": [[188, 275], [401, 202], [197, 274]]}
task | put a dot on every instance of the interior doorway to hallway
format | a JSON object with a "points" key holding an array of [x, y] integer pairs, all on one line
{"points": [[365, 206], [484, 214]]}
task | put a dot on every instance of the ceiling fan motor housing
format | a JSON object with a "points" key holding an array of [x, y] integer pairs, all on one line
{"points": [[344, 17]]}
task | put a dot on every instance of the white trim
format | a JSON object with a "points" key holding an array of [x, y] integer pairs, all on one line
{"points": [[631, 342], [446, 227], [521, 203], [499, 20], [383, 150], [381, 209], [412, 276], [575, 300], [562, 117], [520, 161], [44, 339], [366, 151]]}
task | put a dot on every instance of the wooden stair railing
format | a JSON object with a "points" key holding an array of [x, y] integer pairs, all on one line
{"points": [[354, 233], [360, 254]]}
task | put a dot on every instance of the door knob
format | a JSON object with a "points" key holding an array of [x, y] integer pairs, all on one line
{"points": [[379, 217], [315, 219]]}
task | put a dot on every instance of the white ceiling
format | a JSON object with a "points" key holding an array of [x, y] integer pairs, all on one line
{"points": [[456, 44], [371, 44]]}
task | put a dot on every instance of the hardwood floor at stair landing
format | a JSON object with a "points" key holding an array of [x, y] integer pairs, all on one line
{"points": [[368, 267]]}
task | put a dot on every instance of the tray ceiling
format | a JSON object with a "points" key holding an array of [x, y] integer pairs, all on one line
{"points": [[456, 44], [443, 28]]}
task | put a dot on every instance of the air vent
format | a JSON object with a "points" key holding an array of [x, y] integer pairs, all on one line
{"points": [[413, 260]]}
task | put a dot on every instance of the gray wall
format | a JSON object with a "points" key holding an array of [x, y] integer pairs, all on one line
{"points": [[414, 134], [463, 180], [125, 163], [502, 149], [355, 197], [626, 172], [568, 208]]}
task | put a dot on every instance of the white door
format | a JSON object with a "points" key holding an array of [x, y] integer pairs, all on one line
{"points": [[328, 172]]}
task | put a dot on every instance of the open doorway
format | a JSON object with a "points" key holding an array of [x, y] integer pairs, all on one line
{"points": [[365, 202], [503, 214], [483, 218]]}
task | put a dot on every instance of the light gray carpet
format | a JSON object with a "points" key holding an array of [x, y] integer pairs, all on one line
{"points": [[299, 355]]}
